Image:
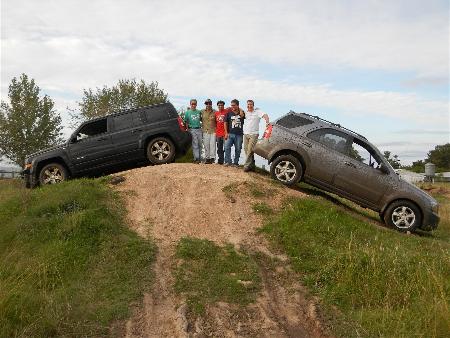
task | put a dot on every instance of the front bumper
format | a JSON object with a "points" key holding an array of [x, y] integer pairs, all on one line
{"points": [[29, 179], [262, 148], [430, 221]]}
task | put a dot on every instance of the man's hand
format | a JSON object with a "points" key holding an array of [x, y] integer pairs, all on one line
{"points": [[226, 136]]}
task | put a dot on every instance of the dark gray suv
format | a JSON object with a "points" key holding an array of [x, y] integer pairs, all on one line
{"points": [[336, 159]]}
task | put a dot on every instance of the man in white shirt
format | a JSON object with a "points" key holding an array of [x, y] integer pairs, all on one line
{"points": [[251, 131]]}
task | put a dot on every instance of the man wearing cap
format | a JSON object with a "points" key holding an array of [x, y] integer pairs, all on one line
{"points": [[233, 132], [251, 131], [192, 120], [209, 132], [221, 114]]}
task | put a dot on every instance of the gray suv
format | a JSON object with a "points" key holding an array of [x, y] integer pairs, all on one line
{"points": [[336, 159]]}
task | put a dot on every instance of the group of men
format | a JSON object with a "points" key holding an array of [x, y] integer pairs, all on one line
{"points": [[223, 129]]}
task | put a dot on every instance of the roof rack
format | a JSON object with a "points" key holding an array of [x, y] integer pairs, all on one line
{"points": [[329, 122]]}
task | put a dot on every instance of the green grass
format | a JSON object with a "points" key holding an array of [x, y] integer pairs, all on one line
{"points": [[209, 273], [262, 208], [385, 283], [69, 266]]}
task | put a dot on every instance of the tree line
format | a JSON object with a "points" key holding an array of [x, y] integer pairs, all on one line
{"points": [[29, 121]]}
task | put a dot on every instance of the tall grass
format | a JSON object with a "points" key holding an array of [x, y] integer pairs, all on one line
{"points": [[386, 283], [68, 264]]}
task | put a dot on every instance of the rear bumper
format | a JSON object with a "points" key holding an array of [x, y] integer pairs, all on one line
{"points": [[262, 148]]}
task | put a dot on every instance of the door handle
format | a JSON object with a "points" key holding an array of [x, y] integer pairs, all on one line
{"points": [[102, 139], [136, 131], [350, 164]]}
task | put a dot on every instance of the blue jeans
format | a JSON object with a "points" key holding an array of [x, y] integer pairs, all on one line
{"points": [[196, 143], [235, 140]]}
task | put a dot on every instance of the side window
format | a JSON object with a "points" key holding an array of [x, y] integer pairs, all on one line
{"points": [[364, 154], [293, 121], [123, 121], [330, 138], [92, 129]]}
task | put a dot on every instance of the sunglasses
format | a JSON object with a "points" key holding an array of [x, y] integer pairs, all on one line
{"points": [[208, 104]]}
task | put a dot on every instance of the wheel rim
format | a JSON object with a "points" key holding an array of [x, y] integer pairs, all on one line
{"points": [[160, 150], [403, 217], [52, 175], [285, 171]]}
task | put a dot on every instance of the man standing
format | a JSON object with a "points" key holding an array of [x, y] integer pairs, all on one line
{"points": [[233, 132], [220, 130], [209, 132], [251, 131], [192, 120]]}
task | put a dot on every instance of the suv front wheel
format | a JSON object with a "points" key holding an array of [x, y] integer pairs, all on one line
{"points": [[160, 150], [403, 216], [52, 173], [287, 169]]}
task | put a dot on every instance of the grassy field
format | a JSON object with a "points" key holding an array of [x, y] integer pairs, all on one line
{"points": [[383, 282], [68, 264]]}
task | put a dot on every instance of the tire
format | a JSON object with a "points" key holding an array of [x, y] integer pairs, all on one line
{"points": [[52, 173], [286, 169], [160, 150], [403, 216]]}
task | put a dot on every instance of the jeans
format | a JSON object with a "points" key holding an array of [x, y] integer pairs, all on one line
{"points": [[209, 142], [249, 144], [235, 140], [220, 143], [196, 143]]}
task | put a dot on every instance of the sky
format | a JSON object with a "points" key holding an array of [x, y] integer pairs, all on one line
{"points": [[379, 68]]}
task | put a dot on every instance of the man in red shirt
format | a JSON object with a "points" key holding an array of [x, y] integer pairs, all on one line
{"points": [[220, 130]]}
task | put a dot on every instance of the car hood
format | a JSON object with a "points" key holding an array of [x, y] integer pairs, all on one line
{"points": [[47, 150]]}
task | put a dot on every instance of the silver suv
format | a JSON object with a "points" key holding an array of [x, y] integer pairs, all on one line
{"points": [[336, 159]]}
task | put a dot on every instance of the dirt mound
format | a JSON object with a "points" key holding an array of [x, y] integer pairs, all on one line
{"points": [[211, 202]]}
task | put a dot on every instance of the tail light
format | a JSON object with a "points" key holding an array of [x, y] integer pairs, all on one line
{"points": [[181, 124], [267, 132]]}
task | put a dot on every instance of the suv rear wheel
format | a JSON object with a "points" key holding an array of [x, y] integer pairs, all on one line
{"points": [[160, 150], [403, 216], [287, 169], [52, 173]]}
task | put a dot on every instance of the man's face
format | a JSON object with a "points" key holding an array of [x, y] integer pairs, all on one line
{"points": [[208, 105], [234, 107], [220, 106], [250, 106], [193, 105]]}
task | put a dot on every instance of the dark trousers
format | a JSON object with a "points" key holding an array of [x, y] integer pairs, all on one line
{"points": [[220, 150]]}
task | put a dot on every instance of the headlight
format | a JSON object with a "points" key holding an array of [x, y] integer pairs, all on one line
{"points": [[435, 208], [27, 166]]}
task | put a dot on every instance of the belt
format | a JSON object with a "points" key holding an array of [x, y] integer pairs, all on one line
{"points": [[194, 128]]}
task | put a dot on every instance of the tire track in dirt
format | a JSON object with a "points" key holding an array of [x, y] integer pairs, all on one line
{"points": [[172, 201]]}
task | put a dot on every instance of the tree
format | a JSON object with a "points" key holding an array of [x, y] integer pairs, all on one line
{"points": [[28, 123], [440, 156], [417, 166], [126, 94], [394, 160]]}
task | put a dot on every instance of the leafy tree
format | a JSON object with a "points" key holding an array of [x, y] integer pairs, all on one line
{"points": [[394, 160], [126, 94], [440, 156], [417, 166], [28, 123]]}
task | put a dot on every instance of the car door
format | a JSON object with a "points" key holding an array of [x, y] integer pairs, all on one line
{"points": [[327, 151], [91, 146], [360, 177], [125, 135]]}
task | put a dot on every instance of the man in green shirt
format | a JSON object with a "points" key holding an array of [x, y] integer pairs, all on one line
{"points": [[192, 120]]}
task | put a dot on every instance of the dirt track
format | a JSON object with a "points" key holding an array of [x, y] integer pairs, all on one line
{"points": [[171, 201]]}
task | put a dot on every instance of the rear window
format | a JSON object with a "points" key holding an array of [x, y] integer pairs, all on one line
{"points": [[159, 113], [293, 121]]}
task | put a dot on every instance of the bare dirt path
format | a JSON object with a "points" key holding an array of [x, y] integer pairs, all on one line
{"points": [[211, 202]]}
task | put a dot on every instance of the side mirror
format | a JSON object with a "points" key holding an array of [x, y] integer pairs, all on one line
{"points": [[384, 169]]}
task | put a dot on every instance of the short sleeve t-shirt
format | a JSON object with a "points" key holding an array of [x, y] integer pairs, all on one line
{"points": [[252, 122], [235, 123], [220, 120], [192, 118], [208, 121]]}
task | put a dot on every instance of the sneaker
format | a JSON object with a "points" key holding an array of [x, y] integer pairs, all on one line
{"points": [[227, 164], [247, 169]]}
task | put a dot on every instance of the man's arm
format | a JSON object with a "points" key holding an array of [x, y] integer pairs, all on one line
{"points": [[225, 127], [266, 117]]}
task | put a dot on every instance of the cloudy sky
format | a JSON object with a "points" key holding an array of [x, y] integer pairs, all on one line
{"points": [[380, 68]]}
